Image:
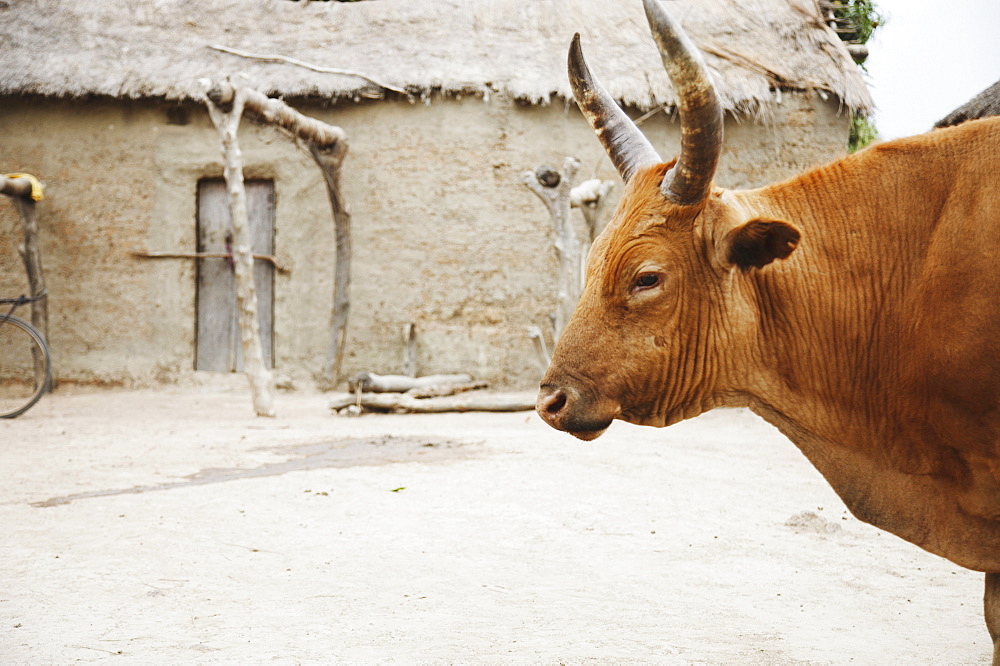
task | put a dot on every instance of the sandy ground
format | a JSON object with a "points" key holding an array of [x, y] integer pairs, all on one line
{"points": [[174, 527]]}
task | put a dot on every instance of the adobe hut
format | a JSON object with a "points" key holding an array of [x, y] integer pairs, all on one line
{"points": [[102, 101]]}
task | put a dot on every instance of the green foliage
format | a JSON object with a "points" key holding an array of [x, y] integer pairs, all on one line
{"points": [[863, 133], [857, 19]]}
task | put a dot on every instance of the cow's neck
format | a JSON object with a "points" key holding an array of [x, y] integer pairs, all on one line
{"points": [[833, 373]]}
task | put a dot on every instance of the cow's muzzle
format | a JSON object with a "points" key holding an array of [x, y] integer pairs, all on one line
{"points": [[565, 408]]}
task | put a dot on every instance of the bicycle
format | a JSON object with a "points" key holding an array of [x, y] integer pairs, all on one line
{"points": [[25, 363]]}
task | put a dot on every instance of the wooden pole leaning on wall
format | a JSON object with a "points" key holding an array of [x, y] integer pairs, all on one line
{"points": [[226, 118], [25, 190], [328, 146], [410, 350]]}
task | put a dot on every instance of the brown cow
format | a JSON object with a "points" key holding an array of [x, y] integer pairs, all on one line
{"points": [[856, 307]]}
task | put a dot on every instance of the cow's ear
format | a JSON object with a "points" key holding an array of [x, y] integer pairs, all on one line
{"points": [[758, 242]]}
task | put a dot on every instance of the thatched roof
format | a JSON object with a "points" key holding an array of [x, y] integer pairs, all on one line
{"points": [[160, 48], [986, 103]]}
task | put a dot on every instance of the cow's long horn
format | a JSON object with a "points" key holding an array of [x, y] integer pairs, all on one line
{"points": [[628, 149], [700, 111]]}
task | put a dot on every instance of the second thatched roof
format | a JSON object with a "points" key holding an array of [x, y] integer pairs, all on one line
{"points": [[160, 48], [986, 103]]}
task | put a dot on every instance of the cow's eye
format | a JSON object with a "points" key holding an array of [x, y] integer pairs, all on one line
{"points": [[646, 281]]}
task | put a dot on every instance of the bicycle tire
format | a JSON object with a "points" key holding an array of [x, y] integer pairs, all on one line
{"points": [[15, 345]]}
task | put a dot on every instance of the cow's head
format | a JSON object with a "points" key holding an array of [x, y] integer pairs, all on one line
{"points": [[667, 316]]}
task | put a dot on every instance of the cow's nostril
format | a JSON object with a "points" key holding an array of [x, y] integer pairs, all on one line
{"points": [[554, 402]]}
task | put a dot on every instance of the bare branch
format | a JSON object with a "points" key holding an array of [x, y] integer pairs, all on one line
{"points": [[274, 57], [275, 111]]}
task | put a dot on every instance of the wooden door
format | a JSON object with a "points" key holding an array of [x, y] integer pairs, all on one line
{"points": [[218, 334]]}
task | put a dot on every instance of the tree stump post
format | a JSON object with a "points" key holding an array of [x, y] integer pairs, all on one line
{"points": [[553, 188], [330, 158], [226, 122], [24, 191]]}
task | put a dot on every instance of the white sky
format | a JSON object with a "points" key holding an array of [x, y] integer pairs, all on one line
{"points": [[929, 57]]}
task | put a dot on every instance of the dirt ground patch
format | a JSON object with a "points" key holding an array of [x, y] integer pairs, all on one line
{"points": [[174, 527]]}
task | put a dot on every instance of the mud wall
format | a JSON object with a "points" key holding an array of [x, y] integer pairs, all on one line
{"points": [[445, 235]]}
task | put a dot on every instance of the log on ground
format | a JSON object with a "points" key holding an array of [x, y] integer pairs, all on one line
{"points": [[370, 382], [401, 403]]}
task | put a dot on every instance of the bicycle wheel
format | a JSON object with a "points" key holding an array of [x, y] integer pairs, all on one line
{"points": [[24, 366]]}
